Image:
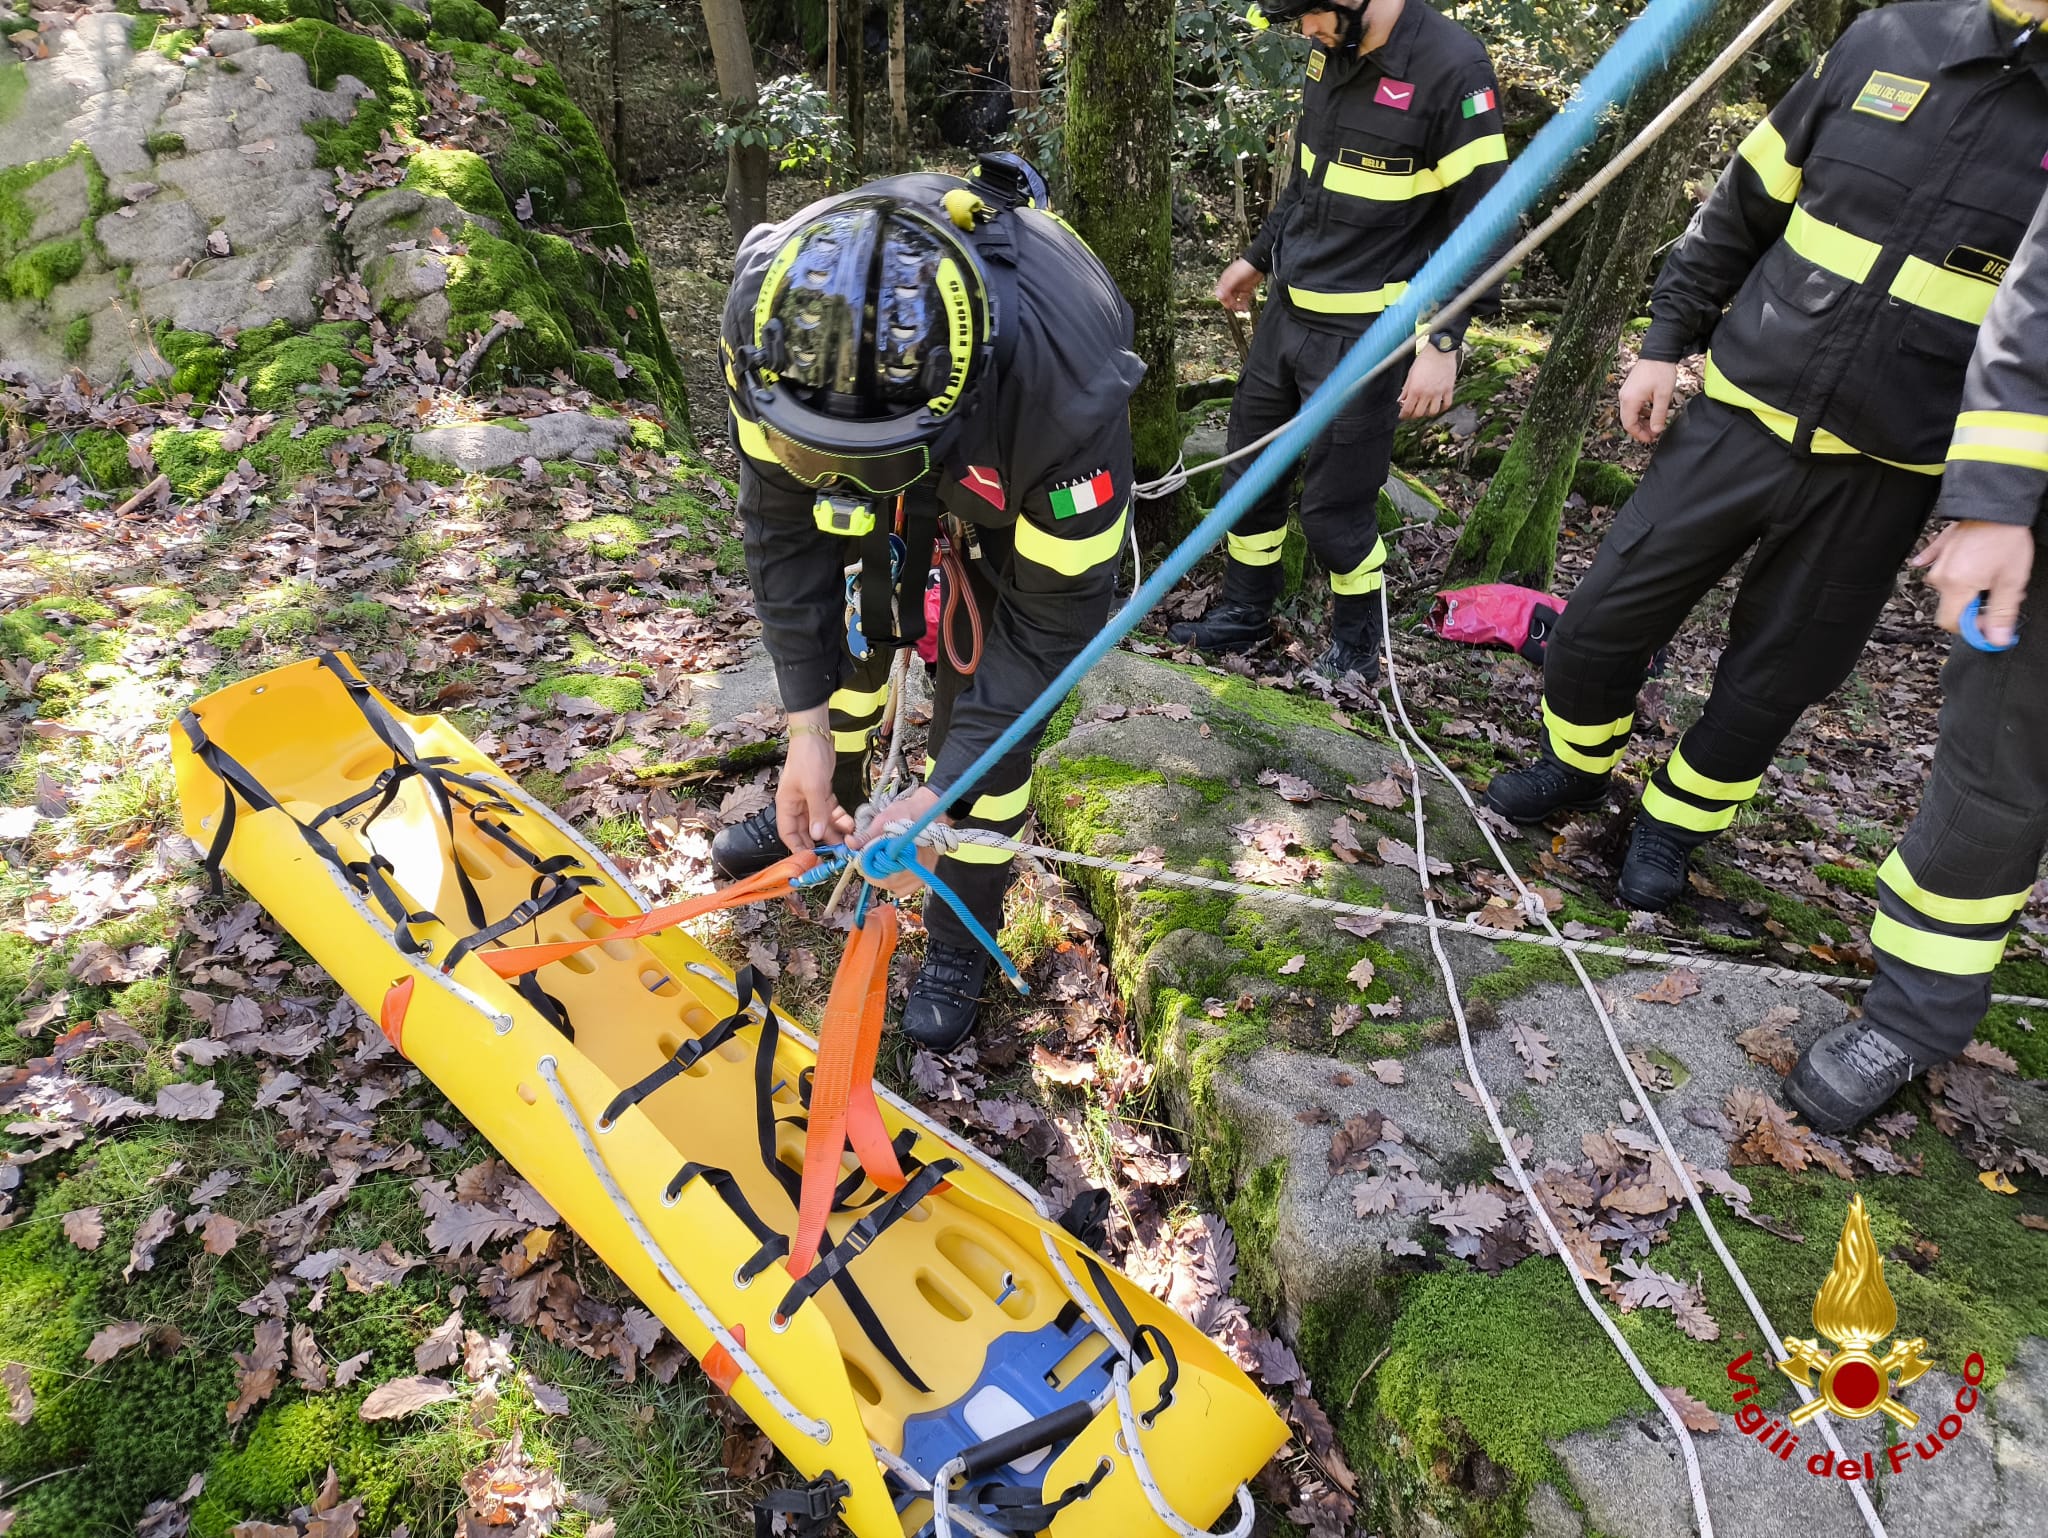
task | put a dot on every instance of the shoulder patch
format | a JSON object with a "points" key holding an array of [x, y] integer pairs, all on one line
{"points": [[1083, 494], [1398, 94], [1315, 65], [1891, 97], [1476, 103]]}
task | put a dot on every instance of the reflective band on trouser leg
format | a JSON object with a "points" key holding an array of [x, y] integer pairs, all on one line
{"points": [[1257, 549], [1764, 149], [2001, 438], [1593, 749], [1934, 951], [1366, 576], [1680, 796], [1899, 881]]}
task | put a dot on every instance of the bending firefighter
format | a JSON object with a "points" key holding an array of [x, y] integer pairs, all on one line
{"points": [[1949, 894], [926, 351], [1854, 244], [1400, 136]]}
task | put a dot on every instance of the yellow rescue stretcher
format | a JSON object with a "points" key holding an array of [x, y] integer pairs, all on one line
{"points": [[948, 1359]]}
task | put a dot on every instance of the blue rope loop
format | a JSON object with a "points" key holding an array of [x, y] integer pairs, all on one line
{"points": [[1646, 47], [878, 862]]}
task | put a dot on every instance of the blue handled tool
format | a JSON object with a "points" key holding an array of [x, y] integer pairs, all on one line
{"points": [[1975, 636]]}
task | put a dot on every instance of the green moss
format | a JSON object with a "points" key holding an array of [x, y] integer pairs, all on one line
{"points": [[617, 694], [78, 338], [614, 537], [1855, 878], [1254, 1215], [496, 274], [279, 371], [2013, 1028], [330, 53], [93, 454], [161, 144], [45, 628], [545, 786], [31, 276], [1273, 707], [463, 178], [198, 362], [464, 19], [389, 16], [172, 45], [713, 531], [192, 459], [287, 10], [1602, 484]]}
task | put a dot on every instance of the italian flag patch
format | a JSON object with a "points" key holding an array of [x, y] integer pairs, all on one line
{"points": [[1478, 102], [1082, 496]]}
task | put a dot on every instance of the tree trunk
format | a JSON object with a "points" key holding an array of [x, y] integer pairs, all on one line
{"points": [[836, 177], [899, 90], [1119, 143], [1512, 532], [746, 168], [855, 14], [618, 92], [1023, 44]]}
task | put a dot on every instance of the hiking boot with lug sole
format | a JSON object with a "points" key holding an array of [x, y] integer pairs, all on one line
{"points": [[1532, 793], [1847, 1074], [1341, 659], [945, 996], [1229, 626], [1653, 875], [747, 846]]}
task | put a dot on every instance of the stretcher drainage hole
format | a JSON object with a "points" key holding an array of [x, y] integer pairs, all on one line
{"points": [[659, 983], [580, 964], [697, 1018], [619, 950], [478, 871], [863, 1385], [589, 923], [526, 1093], [667, 1044], [941, 1298], [366, 765]]}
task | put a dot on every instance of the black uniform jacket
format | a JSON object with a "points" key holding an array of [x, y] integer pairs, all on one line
{"points": [[1998, 458], [1043, 470], [1394, 148], [1860, 233]]}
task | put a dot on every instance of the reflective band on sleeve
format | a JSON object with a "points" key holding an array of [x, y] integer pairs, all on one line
{"points": [[1001, 808], [1831, 247], [1764, 149], [1467, 158], [856, 702], [1953, 294], [1935, 953], [854, 741], [2001, 438], [1070, 557], [1690, 780], [1366, 576], [1949, 910], [1668, 808], [753, 442], [1257, 549], [1368, 303], [1785, 425], [979, 854]]}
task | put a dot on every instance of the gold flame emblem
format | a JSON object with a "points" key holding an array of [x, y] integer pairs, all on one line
{"points": [[1854, 1309]]}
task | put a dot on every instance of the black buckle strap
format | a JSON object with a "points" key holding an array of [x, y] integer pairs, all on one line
{"points": [[1087, 1217], [864, 1232], [747, 986], [812, 1507], [1137, 1334], [550, 891], [773, 1245], [1021, 1509]]}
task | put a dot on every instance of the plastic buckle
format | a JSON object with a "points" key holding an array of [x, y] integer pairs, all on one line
{"points": [[850, 516]]}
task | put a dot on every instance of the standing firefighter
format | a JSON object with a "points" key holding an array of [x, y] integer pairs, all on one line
{"points": [[1399, 138], [1948, 895], [925, 349], [1854, 243]]}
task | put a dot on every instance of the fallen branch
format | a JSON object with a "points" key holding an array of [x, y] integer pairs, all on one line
{"points": [[466, 365], [155, 488]]}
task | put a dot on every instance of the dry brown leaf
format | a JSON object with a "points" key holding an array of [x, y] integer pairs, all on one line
{"points": [[347, 1372], [1674, 986], [83, 1227], [1344, 842], [113, 1340], [188, 1102], [1361, 974], [1985, 1055], [1692, 1414], [1394, 852], [402, 1396], [257, 1380], [219, 1233], [308, 1366], [1343, 1018], [1062, 1070], [1534, 1049], [442, 1347], [1290, 787], [1387, 1070], [1293, 964], [142, 1252], [1355, 924], [21, 1399], [1379, 793]]}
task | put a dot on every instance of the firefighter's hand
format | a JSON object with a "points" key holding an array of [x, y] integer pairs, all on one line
{"points": [[806, 812], [903, 809], [1240, 281], [1646, 399], [1431, 378], [1968, 558]]}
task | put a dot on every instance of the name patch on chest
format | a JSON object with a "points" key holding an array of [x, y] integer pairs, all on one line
{"points": [[1315, 65], [1977, 264], [1387, 165], [1891, 97]]}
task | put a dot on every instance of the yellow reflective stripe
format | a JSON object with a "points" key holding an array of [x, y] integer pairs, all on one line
{"points": [[979, 854], [1954, 294], [1400, 187], [1683, 814], [1257, 549], [1950, 910], [1369, 303], [1571, 731], [854, 741], [1689, 779], [1308, 160], [1467, 158], [1764, 149], [2001, 438], [1010, 803], [1785, 425], [1591, 763], [1936, 953], [1366, 576], [753, 441], [1831, 247], [1071, 557], [857, 702]]}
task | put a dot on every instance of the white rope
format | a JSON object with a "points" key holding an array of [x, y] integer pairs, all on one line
{"points": [[1535, 907], [1134, 1448], [1470, 295]]}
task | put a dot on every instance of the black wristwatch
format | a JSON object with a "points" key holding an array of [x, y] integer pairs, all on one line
{"points": [[1443, 341]]}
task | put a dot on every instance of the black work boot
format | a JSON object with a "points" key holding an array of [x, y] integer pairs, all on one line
{"points": [[1847, 1074], [1533, 792], [945, 995], [1354, 638], [1241, 618], [1653, 874], [749, 845]]}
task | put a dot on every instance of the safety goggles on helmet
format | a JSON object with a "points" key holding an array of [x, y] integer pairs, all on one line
{"points": [[1267, 12], [871, 333]]}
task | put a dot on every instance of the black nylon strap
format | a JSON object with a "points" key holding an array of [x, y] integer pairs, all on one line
{"points": [[544, 1004], [235, 781], [865, 1231], [550, 891], [1021, 1509], [811, 1508], [1113, 1300], [747, 986], [773, 1245], [1166, 1385]]}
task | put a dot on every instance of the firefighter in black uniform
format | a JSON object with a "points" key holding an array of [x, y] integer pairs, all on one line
{"points": [[1949, 893], [1839, 270], [927, 348], [1400, 136]]}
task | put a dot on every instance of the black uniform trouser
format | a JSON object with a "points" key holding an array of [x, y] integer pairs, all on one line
{"points": [[1341, 473], [1949, 893], [1826, 535]]}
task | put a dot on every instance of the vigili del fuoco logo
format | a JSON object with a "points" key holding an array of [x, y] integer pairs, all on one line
{"points": [[1855, 1311]]}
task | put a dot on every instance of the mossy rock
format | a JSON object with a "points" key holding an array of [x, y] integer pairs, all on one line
{"points": [[280, 368], [330, 52], [465, 20], [44, 629], [196, 460], [31, 276], [619, 695], [390, 16], [93, 454], [464, 178]]}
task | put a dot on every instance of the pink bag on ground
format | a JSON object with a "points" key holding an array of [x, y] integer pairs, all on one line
{"points": [[1518, 619]]}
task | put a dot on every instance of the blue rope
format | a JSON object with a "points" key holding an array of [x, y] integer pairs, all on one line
{"points": [[1643, 49], [947, 895]]}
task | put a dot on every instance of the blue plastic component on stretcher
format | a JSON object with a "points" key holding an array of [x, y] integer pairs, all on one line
{"points": [[1975, 635]]}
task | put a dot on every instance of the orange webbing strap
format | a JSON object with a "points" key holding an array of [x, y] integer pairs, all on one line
{"points": [[843, 1088], [518, 960], [391, 1017]]}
